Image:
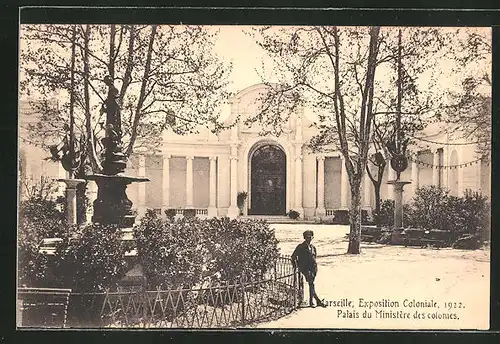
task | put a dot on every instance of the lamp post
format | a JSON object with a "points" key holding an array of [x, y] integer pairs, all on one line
{"points": [[399, 161]]}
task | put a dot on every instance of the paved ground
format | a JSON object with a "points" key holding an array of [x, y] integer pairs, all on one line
{"points": [[391, 274]]}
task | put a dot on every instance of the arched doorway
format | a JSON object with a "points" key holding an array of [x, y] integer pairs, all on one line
{"points": [[268, 181]]}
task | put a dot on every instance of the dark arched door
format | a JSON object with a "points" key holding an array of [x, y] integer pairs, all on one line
{"points": [[268, 181]]}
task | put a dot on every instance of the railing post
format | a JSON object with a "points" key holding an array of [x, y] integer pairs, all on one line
{"points": [[242, 299], [295, 292]]}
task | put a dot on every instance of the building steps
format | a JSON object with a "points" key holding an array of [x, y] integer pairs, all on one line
{"points": [[275, 219]]}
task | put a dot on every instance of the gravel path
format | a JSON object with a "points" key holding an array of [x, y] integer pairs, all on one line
{"points": [[454, 282]]}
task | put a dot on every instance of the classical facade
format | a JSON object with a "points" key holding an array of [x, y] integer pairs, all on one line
{"points": [[206, 171]]}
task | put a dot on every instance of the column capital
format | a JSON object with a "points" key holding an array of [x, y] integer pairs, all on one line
{"points": [[212, 158], [299, 157], [167, 156], [320, 157], [189, 157]]}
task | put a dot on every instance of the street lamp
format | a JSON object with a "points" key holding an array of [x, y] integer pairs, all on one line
{"points": [[399, 161]]}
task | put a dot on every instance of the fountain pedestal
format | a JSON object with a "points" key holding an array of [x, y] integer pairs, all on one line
{"points": [[396, 237], [112, 206]]}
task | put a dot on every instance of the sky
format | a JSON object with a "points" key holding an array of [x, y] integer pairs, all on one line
{"points": [[234, 46]]}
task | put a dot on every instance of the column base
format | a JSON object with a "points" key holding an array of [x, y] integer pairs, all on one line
{"points": [[212, 212], [320, 212], [233, 212]]}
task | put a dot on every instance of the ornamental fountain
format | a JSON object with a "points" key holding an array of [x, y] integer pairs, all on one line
{"points": [[112, 206]]}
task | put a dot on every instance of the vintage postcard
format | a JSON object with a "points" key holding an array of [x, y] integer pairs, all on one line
{"points": [[254, 177]]}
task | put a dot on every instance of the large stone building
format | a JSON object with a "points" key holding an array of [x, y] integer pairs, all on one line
{"points": [[206, 171]]}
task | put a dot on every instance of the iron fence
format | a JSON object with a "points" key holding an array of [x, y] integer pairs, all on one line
{"points": [[225, 305]]}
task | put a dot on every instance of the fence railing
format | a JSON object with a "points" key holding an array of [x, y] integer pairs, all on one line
{"points": [[237, 304]]}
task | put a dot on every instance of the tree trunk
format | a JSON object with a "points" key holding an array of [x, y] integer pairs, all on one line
{"points": [[377, 204], [355, 218], [142, 92], [91, 152]]}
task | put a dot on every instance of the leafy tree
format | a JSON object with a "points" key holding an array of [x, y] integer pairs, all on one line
{"points": [[349, 77], [470, 108], [416, 52], [167, 77], [333, 70]]}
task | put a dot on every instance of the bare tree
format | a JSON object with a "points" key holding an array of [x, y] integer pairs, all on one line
{"points": [[333, 70], [347, 76], [168, 79]]}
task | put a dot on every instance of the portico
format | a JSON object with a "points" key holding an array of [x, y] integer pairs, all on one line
{"points": [[205, 172]]}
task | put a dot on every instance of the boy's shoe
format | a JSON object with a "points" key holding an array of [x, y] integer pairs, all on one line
{"points": [[322, 303]]}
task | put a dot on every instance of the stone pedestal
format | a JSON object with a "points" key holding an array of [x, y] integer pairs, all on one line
{"points": [[112, 205], [398, 209], [71, 185]]}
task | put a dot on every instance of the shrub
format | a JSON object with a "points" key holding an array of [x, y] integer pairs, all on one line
{"points": [[293, 214], [92, 259], [189, 213], [365, 217], [433, 208], [430, 207], [386, 215], [38, 218], [241, 249], [170, 213], [170, 252], [187, 252], [476, 212], [341, 217]]}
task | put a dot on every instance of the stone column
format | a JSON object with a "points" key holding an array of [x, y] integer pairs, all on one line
{"points": [[141, 192], [435, 168], [460, 190], [320, 210], [91, 193], [414, 177], [189, 182], [166, 183], [233, 210], [398, 211], [71, 185], [212, 208], [391, 175], [344, 185], [298, 180], [367, 190]]}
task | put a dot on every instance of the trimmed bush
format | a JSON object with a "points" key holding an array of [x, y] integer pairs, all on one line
{"points": [[171, 253], [91, 260], [189, 251], [434, 208], [38, 219], [240, 249]]}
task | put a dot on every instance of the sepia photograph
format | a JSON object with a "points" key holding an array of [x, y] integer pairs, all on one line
{"points": [[254, 177]]}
